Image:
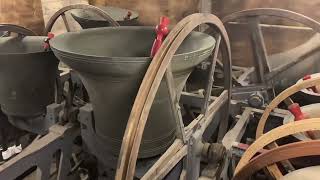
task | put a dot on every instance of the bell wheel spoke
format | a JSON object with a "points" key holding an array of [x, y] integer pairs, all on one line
{"points": [[174, 102], [259, 49], [65, 21], [211, 75]]}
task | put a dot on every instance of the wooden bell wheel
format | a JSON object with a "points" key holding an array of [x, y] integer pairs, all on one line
{"points": [[62, 12], [285, 152], [186, 136], [252, 18], [270, 137], [7, 29]]}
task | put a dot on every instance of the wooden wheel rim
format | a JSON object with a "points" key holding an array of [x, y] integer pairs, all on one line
{"points": [[160, 63], [259, 133]]}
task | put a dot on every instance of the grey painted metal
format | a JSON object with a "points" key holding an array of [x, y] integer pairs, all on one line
{"points": [[93, 143], [27, 78], [88, 19], [208, 89], [40, 152], [236, 133], [193, 159], [112, 72]]}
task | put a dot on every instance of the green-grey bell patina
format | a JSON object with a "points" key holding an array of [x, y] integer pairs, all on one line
{"points": [[27, 78], [112, 63], [89, 19]]}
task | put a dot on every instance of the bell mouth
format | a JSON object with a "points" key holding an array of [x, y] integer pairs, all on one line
{"points": [[117, 14], [124, 43], [21, 45]]}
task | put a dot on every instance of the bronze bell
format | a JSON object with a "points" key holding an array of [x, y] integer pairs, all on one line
{"points": [[88, 19], [111, 63], [27, 81]]}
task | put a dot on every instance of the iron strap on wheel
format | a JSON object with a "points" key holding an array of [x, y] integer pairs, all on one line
{"points": [[150, 84]]}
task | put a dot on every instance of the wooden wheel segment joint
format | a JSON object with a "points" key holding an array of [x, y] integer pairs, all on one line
{"points": [[159, 68]]}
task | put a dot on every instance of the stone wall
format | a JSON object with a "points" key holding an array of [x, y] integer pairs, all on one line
{"points": [[27, 13], [150, 11]]}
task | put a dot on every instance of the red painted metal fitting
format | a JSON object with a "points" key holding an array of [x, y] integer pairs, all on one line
{"points": [[50, 35], [162, 31], [296, 111], [46, 44], [299, 115], [306, 77]]}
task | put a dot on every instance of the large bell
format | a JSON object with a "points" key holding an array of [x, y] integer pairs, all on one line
{"points": [[89, 19], [111, 63], [27, 81]]}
